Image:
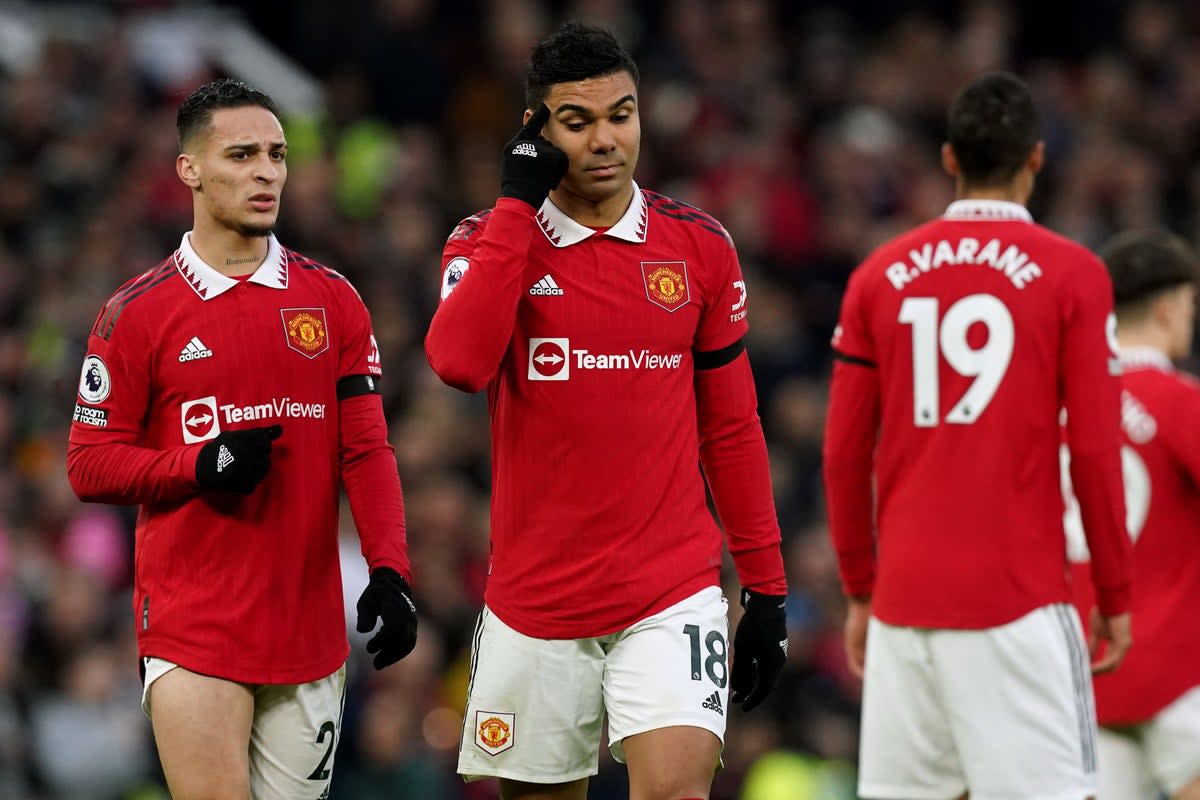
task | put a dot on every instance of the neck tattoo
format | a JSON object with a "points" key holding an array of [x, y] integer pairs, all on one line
{"points": [[231, 261]]}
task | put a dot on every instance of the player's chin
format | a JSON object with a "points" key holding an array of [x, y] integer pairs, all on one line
{"points": [[259, 225]]}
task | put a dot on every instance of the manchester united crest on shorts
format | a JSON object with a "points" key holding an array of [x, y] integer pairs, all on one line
{"points": [[306, 330], [666, 283], [495, 732]]}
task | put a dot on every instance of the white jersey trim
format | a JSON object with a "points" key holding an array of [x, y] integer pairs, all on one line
{"points": [[207, 283], [562, 231], [1145, 356], [987, 210]]}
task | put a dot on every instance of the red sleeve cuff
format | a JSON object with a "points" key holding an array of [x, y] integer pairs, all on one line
{"points": [[1113, 600], [761, 569]]}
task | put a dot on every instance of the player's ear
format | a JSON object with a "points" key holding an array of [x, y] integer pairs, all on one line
{"points": [[949, 160], [185, 168], [1037, 157]]}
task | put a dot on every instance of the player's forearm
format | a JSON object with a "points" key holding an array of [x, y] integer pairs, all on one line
{"points": [[734, 455], [847, 467], [471, 329], [850, 515], [1096, 478], [372, 483], [127, 474]]}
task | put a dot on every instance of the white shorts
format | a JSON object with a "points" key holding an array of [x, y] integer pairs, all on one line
{"points": [[535, 707], [294, 735], [1005, 712], [1163, 754]]}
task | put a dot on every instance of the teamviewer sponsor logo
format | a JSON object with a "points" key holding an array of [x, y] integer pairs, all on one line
{"points": [[548, 359], [199, 420]]}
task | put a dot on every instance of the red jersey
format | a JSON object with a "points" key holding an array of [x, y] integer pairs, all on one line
{"points": [[957, 346], [588, 344], [1161, 457], [246, 588]]}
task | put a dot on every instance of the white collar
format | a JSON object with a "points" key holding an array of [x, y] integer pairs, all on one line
{"points": [[562, 231], [1145, 356], [994, 210], [208, 283]]}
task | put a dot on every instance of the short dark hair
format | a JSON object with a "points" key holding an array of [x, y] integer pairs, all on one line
{"points": [[1144, 263], [574, 52], [992, 128], [195, 114]]}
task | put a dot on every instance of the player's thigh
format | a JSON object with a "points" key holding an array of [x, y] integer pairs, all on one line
{"points": [[906, 749], [671, 763], [518, 790], [1019, 700], [534, 707], [294, 738], [202, 731], [1172, 743], [1121, 769], [670, 670]]}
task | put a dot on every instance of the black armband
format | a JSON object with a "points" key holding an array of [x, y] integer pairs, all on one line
{"points": [[355, 385], [862, 362], [712, 359]]}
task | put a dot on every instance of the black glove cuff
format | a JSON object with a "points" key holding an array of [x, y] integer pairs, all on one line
{"points": [[765, 607]]}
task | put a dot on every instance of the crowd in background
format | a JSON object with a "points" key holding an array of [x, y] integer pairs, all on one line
{"points": [[812, 131]]}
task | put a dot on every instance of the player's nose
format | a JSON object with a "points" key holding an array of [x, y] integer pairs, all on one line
{"points": [[602, 140]]}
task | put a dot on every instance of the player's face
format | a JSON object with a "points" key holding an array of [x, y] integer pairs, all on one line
{"points": [[595, 122], [240, 169]]}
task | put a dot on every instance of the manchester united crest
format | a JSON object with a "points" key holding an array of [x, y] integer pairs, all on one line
{"points": [[306, 330], [494, 731], [666, 284]]}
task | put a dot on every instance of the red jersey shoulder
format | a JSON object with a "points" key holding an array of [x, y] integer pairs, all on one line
{"points": [[130, 293], [467, 232], [687, 215]]}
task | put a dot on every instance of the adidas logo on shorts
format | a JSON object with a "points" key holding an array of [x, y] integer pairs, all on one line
{"points": [[713, 703], [546, 287]]}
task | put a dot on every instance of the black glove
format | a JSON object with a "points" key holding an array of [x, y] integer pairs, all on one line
{"points": [[759, 648], [237, 461], [530, 166], [388, 597]]}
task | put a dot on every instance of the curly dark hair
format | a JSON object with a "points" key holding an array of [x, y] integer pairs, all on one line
{"points": [[574, 52], [195, 114], [992, 128]]}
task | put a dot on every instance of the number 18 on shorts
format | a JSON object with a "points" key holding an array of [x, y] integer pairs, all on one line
{"points": [[536, 706]]}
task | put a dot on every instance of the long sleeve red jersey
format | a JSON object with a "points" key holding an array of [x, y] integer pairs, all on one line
{"points": [[246, 588], [1161, 458], [957, 346], [593, 347]]}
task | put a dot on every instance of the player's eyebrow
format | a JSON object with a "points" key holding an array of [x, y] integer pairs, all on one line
{"points": [[254, 147], [581, 110]]}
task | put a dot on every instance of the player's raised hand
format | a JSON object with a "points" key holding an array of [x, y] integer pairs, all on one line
{"points": [[1117, 635], [237, 461], [388, 598], [759, 648], [531, 166]]}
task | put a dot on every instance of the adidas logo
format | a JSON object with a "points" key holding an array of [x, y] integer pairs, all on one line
{"points": [[713, 703], [194, 350], [224, 458], [546, 286], [525, 149]]}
